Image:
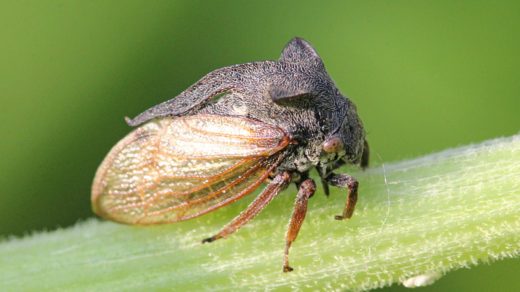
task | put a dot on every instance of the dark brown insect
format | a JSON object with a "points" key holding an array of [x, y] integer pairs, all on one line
{"points": [[219, 140]]}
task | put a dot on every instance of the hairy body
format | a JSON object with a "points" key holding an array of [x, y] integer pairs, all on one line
{"points": [[239, 126], [310, 109]]}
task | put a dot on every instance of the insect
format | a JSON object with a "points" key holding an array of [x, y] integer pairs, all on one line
{"points": [[236, 128]]}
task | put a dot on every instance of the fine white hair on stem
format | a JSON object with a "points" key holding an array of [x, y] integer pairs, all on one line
{"points": [[449, 210]]}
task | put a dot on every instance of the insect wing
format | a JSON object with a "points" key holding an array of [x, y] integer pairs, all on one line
{"points": [[173, 169]]}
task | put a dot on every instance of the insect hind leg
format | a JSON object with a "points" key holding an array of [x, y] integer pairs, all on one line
{"points": [[278, 184]]}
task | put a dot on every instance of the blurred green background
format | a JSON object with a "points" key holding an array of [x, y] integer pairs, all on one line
{"points": [[425, 75]]}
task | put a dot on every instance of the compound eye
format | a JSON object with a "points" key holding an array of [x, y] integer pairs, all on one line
{"points": [[333, 145]]}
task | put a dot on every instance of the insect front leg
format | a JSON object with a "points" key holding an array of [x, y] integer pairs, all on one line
{"points": [[278, 184], [350, 183], [306, 190], [365, 156]]}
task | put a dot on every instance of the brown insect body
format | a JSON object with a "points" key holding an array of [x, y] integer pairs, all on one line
{"points": [[225, 135]]}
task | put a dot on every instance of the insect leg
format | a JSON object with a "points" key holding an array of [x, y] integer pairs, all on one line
{"points": [[349, 182], [324, 171], [307, 189], [325, 185], [279, 183], [365, 156]]}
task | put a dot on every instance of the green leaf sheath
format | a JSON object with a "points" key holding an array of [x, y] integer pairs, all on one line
{"points": [[429, 215]]}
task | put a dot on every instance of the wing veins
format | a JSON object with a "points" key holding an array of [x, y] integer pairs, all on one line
{"points": [[151, 186], [211, 195], [241, 137], [238, 196], [224, 172]]}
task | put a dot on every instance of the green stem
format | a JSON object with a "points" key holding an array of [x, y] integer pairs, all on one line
{"points": [[424, 216]]}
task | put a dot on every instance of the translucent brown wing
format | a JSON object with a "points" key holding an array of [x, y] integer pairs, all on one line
{"points": [[174, 169]]}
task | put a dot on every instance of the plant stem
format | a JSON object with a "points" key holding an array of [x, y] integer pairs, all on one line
{"points": [[426, 216]]}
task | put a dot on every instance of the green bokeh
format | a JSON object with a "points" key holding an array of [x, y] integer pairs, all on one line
{"points": [[424, 75]]}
